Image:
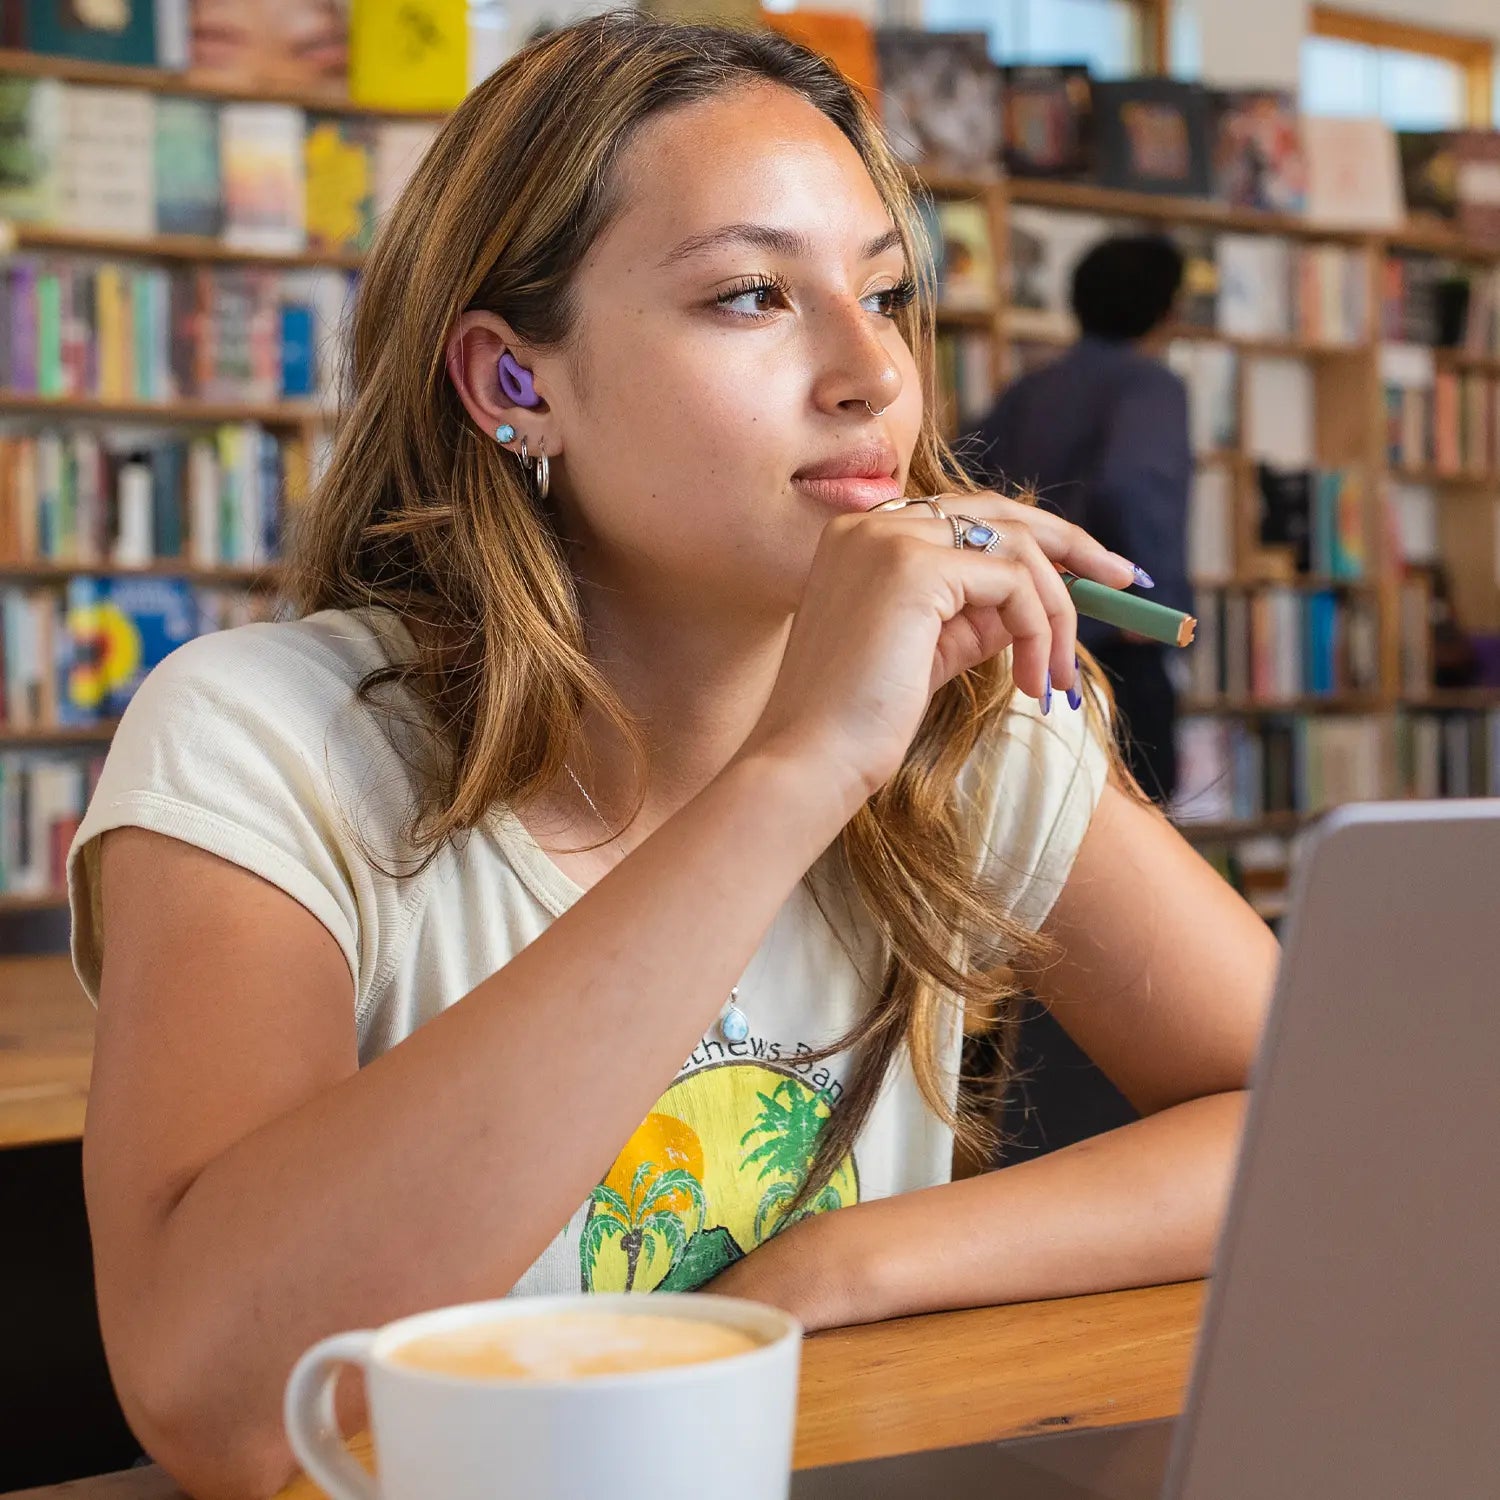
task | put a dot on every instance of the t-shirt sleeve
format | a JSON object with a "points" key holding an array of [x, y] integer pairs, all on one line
{"points": [[1037, 786], [218, 748]]}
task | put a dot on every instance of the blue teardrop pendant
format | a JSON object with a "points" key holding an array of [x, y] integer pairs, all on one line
{"points": [[734, 1025]]}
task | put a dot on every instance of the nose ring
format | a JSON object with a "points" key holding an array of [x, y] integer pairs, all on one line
{"points": [[877, 413]]}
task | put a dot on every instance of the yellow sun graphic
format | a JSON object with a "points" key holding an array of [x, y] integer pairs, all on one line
{"points": [[711, 1173]]}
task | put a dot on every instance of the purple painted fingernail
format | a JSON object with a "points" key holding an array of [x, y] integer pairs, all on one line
{"points": [[1075, 693], [1047, 696], [1143, 579]]}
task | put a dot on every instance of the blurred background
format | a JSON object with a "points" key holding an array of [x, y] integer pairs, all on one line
{"points": [[1253, 249]]}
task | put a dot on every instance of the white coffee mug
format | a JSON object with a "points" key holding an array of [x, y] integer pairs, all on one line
{"points": [[720, 1427]]}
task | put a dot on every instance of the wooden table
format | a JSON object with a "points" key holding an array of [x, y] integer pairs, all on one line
{"points": [[934, 1382], [46, 1051]]}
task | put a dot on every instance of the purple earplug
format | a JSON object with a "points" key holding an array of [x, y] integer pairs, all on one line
{"points": [[516, 383]]}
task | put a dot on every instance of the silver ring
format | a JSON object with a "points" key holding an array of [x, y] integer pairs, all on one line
{"points": [[970, 531], [881, 412], [903, 502]]}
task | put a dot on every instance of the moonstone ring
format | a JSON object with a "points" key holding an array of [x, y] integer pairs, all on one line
{"points": [[968, 531]]}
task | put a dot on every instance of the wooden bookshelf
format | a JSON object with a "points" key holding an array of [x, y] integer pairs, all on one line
{"points": [[1440, 478], [1481, 699], [265, 576], [1312, 583], [49, 901], [1462, 359], [1084, 197], [16, 236], [1025, 332], [196, 85], [1273, 824], [209, 413], [1252, 708], [57, 735], [967, 317], [1438, 239]]}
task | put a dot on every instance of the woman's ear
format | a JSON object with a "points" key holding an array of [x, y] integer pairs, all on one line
{"points": [[497, 401]]}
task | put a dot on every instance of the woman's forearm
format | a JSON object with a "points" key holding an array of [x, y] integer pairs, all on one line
{"points": [[440, 1171], [1137, 1206]]}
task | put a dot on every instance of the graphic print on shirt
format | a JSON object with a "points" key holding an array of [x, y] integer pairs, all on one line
{"points": [[708, 1175]]}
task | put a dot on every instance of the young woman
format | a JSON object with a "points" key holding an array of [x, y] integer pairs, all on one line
{"points": [[587, 889]]}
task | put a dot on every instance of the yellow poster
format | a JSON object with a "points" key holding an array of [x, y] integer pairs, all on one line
{"points": [[409, 54]]}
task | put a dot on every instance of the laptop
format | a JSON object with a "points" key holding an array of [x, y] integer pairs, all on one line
{"points": [[1350, 1348]]}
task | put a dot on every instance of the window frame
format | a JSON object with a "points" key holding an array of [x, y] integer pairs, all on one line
{"points": [[1473, 55]]}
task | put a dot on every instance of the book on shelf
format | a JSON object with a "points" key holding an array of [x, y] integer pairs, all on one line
{"points": [[1449, 754], [262, 169], [1353, 174], [1255, 286], [189, 193], [409, 54], [74, 657], [400, 146], [965, 380], [340, 183], [1438, 417], [1211, 526], [1258, 158], [1211, 372], [1047, 110], [1280, 408], [1316, 517], [1477, 183], [122, 32], [941, 99], [1045, 248], [1433, 301], [31, 132], [1198, 301], [76, 327], [42, 802], [263, 177], [286, 44], [842, 38], [1273, 644], [1429, 174], [128, 500], [963, 257], [1270, 288], [1242, 771], [106, 163], [1453, 177], [1152, 135]]}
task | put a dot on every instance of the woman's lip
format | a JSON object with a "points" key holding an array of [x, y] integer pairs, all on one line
{"points": [[850, 492]]}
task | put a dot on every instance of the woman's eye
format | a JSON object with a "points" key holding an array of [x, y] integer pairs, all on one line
{"points": [[749, 304], [890, 301]]}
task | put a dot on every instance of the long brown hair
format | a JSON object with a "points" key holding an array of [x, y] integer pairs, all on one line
{"points": [[422, 514]]}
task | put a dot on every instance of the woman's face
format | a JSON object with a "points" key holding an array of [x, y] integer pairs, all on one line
{"points": [[733, 321]]}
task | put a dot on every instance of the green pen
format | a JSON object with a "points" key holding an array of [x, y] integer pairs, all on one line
{"points": [[1130, 612]]}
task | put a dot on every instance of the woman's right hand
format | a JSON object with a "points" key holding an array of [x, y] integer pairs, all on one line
{"points": [[893, 610]]}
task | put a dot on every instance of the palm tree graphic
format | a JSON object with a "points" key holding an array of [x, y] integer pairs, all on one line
{"points": [[652, 1210], [790, 1120]]}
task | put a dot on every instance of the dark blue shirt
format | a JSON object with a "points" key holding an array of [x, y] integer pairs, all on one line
{"points": [[1102, 435]]}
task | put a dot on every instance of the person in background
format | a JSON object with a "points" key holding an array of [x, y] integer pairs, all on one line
{"points": [[1102, 436]]}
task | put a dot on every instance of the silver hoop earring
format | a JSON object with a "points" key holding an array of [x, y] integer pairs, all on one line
{"points": [[877, 413], [542, 472]]}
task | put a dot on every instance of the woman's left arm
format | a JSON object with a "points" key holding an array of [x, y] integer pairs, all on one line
{"points": [[1163, 979]]}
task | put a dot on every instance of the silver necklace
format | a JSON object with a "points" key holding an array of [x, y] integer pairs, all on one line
{"points": [[734, 1024]]}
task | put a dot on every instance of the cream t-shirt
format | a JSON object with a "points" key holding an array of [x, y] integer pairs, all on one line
{"points": [[251, 744]]}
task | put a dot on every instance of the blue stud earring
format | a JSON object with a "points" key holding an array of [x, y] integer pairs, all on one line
{"points": [[505, 432]]}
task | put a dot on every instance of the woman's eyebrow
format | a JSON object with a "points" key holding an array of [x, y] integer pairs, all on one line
{"points": [[787, 242]]}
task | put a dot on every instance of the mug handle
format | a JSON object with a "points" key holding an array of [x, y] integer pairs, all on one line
{"points": [[312, 1424]]}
